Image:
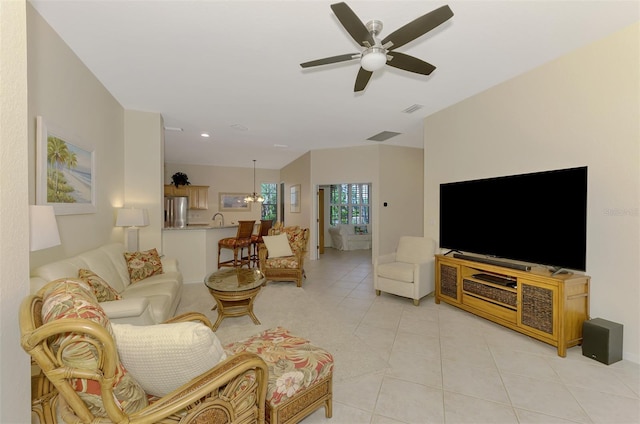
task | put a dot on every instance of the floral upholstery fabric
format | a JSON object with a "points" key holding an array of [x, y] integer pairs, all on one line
{"points": [[295, 234], [232, 242], [103, 291], [294, 363], [142, 265], [286, 262], [69, 298]]}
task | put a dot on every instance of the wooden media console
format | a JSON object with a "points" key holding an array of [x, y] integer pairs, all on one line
{"points": [[550, 308]]}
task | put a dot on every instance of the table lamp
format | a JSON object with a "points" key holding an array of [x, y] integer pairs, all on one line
{"points": [[132, 218]]}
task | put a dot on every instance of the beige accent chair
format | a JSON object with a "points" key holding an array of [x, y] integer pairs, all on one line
{"points": [[409, 272], [233, 391]]}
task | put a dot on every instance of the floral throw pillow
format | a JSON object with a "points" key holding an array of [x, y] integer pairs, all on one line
{"points": [[142, 265], [103, 291]]}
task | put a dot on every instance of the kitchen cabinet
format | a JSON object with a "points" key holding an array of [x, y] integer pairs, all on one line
{"points": [[198, 195]]}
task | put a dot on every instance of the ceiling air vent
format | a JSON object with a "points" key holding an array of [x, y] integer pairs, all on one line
{"points": [[412, 108], [384, 135]]}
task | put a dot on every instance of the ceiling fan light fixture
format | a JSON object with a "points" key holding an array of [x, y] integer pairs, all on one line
{"points": [[373, 59]]}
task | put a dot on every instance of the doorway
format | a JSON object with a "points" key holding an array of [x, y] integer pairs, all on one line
{"points": [[347, 204]]}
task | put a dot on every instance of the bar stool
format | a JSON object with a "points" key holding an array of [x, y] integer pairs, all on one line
{"points": [[238, 243], [256, 239]]}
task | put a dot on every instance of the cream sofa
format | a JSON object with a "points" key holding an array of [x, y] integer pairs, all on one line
{"points": [[150, 301], [344, 236]]}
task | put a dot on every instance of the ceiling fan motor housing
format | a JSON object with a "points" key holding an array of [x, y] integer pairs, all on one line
{"points": [[374, 27]]}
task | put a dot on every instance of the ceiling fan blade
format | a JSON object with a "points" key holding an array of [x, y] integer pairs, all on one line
{"points": [[332, 59], [418, 27], [362, 80], [352, 24], [410, 63]]}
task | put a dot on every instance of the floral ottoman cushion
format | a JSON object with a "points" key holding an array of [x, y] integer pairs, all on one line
{"points": [[294, 363]]}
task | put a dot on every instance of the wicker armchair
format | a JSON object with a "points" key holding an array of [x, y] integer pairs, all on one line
{"points": [[290, 268], [233, 391]]}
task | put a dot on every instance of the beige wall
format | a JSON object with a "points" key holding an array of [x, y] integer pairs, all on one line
{"points": [[15, 394], [395, 174], [226, 180], [401, 183], [579, 110], [70, 98], [143, 171], [299, 172]]}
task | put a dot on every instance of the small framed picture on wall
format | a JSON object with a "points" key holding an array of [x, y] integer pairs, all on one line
{"points": [[295, 198]]}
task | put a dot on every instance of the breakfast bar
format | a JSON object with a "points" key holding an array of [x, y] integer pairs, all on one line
{"points": [[196, 248]]}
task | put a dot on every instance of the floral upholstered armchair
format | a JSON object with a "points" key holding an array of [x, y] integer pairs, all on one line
{"points": [[282, 254], [102, 372]]}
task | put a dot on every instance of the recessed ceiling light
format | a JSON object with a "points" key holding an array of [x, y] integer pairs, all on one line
{"points": [[205, 135]]}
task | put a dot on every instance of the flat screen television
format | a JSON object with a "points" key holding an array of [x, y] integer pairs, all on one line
{"points": [[538, 218]]}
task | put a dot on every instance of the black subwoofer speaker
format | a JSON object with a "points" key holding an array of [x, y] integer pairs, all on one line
{"points": [[602, 340]]}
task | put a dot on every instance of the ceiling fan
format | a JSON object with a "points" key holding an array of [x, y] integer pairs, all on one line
{"points": [[377, 52]]}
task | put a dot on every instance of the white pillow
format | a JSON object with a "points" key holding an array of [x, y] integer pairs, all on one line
{"points": [[278, 246], [163, 357]]}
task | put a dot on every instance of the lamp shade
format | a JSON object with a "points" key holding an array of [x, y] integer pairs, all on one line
{"points": [[132, 217], [43, 227]]}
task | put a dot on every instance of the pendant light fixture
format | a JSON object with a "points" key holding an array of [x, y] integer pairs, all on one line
{"points": [[254, 197]]}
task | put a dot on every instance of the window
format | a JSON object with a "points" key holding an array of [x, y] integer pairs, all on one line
{"points": [[349, 204], [270, 205]]}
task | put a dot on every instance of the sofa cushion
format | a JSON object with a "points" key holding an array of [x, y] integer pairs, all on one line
{"points": [[103, 265], [143, 264], [163, 357], [103, 291], [277, 246], [73, 298], [399, 271], [59, 269]]}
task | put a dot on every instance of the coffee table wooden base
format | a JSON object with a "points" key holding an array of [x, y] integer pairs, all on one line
{"points": [[234, 304]]}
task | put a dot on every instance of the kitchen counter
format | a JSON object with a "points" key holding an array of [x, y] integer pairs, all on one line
{"points": [[201, 227], [196, 249]]}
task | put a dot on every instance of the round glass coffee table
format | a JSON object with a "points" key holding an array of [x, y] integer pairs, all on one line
{"points": [[234, 290]]}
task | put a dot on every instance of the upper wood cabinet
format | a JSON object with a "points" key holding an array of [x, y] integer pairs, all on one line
{"points": [[198, 195]]}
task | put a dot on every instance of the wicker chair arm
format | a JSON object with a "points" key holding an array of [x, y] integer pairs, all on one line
{"points": [[201, 395], [190, 316], [33, 339]]}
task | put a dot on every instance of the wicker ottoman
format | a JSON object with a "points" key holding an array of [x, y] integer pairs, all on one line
{"points": [[300, 374]]}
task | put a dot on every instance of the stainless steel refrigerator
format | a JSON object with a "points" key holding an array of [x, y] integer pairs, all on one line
{"points": [[175, 212]]}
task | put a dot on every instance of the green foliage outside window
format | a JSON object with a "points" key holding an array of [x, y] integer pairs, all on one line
{"points": [[269, 208], [349, 204]]}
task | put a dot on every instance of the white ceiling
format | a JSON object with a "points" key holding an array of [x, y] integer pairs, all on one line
{"points": [[215, 66]]}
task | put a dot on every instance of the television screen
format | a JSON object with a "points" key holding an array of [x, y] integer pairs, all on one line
{"points": [[539, 218]]}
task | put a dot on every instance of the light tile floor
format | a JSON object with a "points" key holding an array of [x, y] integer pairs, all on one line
{"points": [[449, 366]]}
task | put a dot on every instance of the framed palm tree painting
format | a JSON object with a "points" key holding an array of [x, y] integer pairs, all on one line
{"points": [[65, 172]]}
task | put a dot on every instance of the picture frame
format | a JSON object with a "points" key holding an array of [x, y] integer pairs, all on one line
{"points": [[65, 171], [295, 198], [233, 202]]}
